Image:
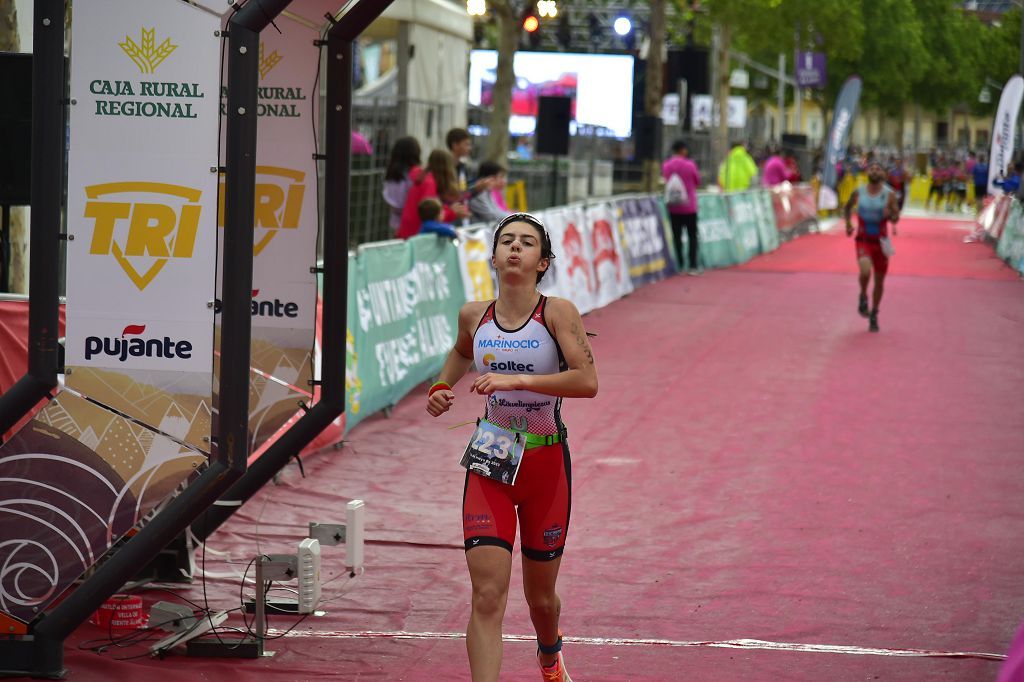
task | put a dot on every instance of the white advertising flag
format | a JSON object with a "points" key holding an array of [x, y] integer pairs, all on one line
{"points": [[1003, 130]]}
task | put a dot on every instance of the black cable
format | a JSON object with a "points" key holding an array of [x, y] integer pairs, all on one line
{"points": [[314, 100]]}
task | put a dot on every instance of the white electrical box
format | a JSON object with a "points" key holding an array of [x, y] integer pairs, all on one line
{"points": [[355, 514], [309, 575]]}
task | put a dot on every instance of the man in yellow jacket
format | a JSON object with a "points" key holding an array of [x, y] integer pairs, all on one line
{"points": [[737, 171]]}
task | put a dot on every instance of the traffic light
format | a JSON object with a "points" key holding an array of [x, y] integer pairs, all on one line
{"points": [[531, 24]]}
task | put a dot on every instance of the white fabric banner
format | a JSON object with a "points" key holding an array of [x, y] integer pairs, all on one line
{"points": [[141, 197], [474, 248], [1003, 131], [142, 206], [571, 275], [611, 272]]}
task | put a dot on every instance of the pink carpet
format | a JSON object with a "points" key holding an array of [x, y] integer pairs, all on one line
{"points": [[756, 466]]}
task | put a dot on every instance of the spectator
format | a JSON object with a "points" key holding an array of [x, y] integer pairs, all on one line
{"points": [[360, 145], [489, 206], [460, 144], [940, 179], [683, 212], [980, 173], [405, 157], [775, 172], [1011, 183], [436, 180], [792, 167], [430, 213], [738, 170], [898, 178]]}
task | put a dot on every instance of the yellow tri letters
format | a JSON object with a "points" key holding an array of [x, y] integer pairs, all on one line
{"points": [[155, 230], [278, 202]]}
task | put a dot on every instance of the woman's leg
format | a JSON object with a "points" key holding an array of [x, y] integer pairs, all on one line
{"points": [[490, 568], [545, 607], [676, 221], [691, 236]]}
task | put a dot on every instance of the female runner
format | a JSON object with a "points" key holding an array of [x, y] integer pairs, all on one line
{"points": [[531, 351]]}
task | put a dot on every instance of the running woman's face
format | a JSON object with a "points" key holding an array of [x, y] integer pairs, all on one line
{"points": [[518, 249]]}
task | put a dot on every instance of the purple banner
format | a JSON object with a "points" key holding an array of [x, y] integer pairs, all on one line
{"points": [[810, 69]]}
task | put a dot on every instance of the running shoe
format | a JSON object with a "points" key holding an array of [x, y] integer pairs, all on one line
{"points": [[862, 306], [873, 321], [555, 673]]}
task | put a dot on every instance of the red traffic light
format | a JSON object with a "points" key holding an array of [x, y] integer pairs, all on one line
{"points": [[531, 23]]}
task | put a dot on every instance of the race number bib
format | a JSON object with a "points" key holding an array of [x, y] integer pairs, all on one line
{"points": [[495, 452]]}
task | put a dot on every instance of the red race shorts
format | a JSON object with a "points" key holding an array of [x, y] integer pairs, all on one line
{"points": [[540, 499], [872, 248]]}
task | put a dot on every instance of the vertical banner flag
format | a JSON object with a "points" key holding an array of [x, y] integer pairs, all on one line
{"points": [[142, 206], [1003, 130], [843, 116], [286, 221]]}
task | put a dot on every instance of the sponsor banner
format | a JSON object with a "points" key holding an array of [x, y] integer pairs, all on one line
{"points": [[76, 479], [1010, 246], [285, 220], [647, 249], [404, 301], [743, 218], [795, 208], [142, 210], [611, 271], [717, 246], [474, 248], [767, 231], [992, 219], [844, 114], [571, 274], [1001, 154]]}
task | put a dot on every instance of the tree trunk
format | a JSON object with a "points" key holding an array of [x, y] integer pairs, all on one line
{"points": [[653, 82], [720, 144], [10, 42], [501, 102]]}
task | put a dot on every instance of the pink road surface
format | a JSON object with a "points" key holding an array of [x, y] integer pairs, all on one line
{"points": [[757, 466]]}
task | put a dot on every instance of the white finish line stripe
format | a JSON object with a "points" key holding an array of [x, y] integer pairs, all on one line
{"points": [[601, 641]]}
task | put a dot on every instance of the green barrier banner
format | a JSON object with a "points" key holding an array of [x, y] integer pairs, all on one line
{"points": [[743, 217], [404, 300], [1011, 243], [767, 230], [717, 247]]}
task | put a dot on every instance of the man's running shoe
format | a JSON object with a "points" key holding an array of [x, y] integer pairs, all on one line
{"points": [[873, 321], [862, 306], [555, 673]]}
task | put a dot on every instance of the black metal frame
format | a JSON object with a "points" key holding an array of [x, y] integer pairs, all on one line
{"points": [[47, 177], [41, 654], [337, 175]]}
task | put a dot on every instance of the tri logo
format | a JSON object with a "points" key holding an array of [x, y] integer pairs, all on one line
{"points": [[157, 231], [279, 195]]}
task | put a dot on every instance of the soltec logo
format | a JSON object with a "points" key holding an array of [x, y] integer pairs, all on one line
{"points": [[122, 348], [156, 233], [507, 366], [148, 55], [275, 308], [279, 194]]}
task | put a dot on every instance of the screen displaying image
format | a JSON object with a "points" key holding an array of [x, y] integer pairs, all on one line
{"points": [[600, 86]]}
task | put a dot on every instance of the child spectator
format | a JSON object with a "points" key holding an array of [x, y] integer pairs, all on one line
{"points": [[405, 158], [489, 206], [437, 180], [430, 213]]}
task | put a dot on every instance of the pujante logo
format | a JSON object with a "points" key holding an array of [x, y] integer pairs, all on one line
{"points": [[157, 230], [148, 55], [268, 62], [279, 194], [121, 348]]}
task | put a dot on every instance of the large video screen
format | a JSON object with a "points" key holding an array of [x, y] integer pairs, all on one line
{"points": [[600, 85]]}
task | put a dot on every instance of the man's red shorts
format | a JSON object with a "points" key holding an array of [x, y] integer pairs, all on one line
{"points": [[541, 499], [872, 248]]}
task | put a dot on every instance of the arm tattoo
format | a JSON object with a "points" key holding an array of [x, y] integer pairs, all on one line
{"points": [[581, 339]]}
